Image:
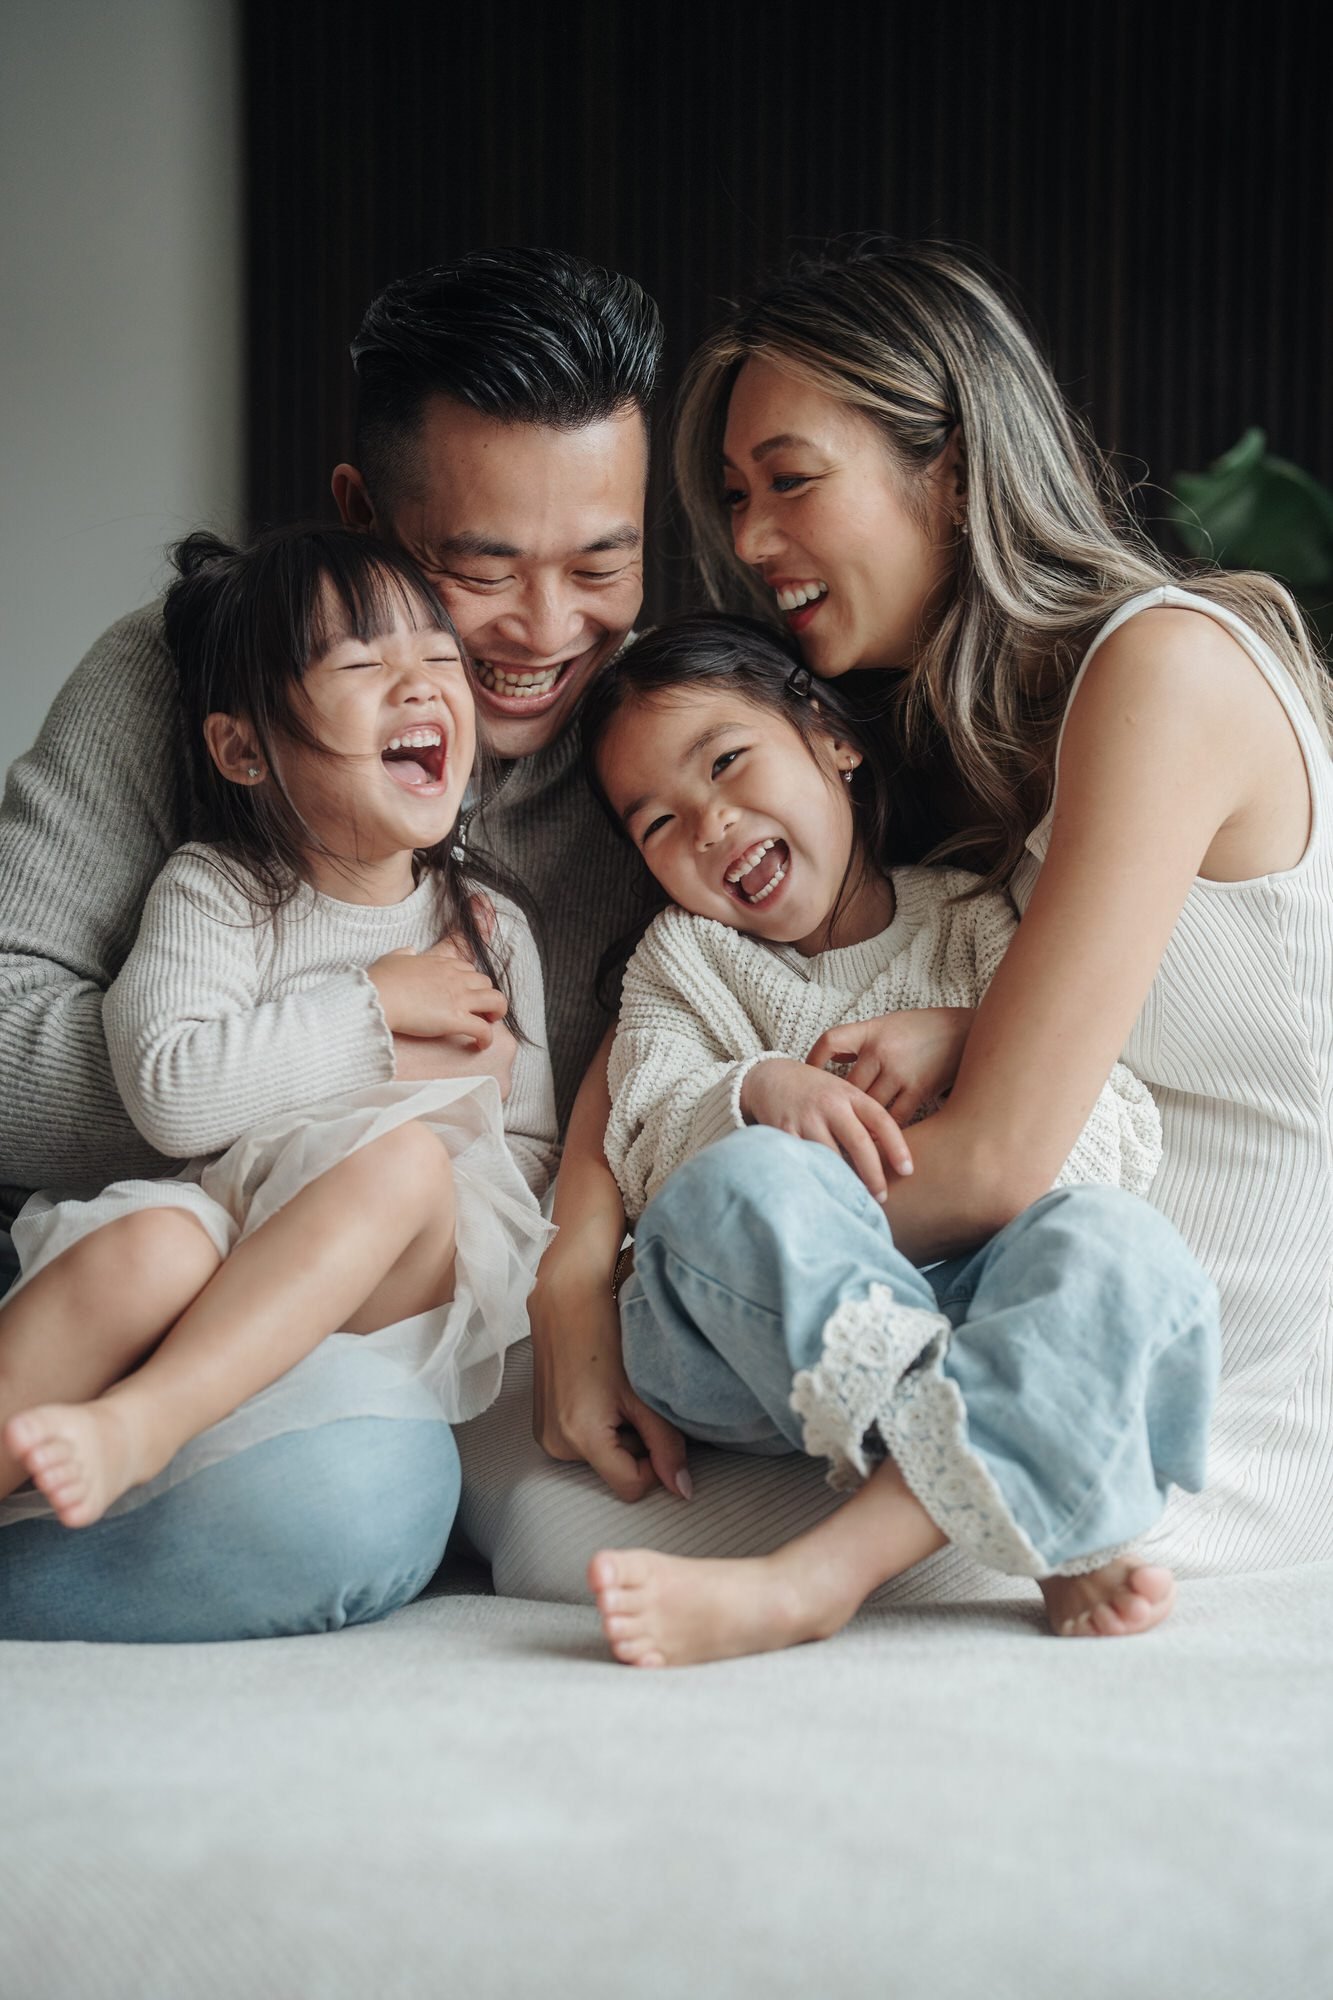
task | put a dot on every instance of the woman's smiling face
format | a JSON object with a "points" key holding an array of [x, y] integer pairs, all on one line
{"points": [[738, 820], [818, 508]]}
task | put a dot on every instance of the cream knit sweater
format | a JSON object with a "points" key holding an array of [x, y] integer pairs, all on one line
{"points": [[215, 1009], [703, 1003]]}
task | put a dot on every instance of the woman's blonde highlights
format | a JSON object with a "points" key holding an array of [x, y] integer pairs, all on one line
{"points": [[921, 340]]}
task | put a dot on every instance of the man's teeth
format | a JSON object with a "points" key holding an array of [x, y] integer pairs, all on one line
{"points": [[510, 681], [793, 596], [750, 859], [415, 739]]}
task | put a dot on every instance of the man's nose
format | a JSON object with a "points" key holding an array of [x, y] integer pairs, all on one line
{"points": [[548, 622]]}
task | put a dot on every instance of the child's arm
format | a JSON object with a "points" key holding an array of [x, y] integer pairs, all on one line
{"points": [[688, 1066], [197, 1055], [529, 1113]]}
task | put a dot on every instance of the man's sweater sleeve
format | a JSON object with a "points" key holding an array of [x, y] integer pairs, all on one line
{"points": [[89, 815], [529, 1112], [682, 1050], [198, 1054], [1121, 1144]]}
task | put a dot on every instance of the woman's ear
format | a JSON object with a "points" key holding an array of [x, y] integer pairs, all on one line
{"points": [[952, 468], [234, 748]]}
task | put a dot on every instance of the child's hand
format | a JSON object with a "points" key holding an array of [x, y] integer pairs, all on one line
{"points": [[438, 992], [905, 1061], [812, 1104]]}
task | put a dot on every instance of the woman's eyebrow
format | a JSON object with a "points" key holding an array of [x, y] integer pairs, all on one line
{"points": [[784, 441]]}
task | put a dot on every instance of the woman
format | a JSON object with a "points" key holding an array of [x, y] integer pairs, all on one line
{"points": [[874, 451]]}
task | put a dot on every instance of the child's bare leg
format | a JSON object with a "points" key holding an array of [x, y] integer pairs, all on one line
{"points": [[370, 1241], [1114, 1602], [92, 1313], [671, 1611]]}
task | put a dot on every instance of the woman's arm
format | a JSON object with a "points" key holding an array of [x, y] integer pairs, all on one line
{"points": [[582, 1401], [1169, 759]]}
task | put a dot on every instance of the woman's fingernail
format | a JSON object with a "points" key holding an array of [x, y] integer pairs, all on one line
{"points": [[684, 1484]]}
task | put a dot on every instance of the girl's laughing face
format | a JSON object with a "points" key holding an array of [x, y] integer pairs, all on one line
{"points": [[739, 820], [819, 508]]}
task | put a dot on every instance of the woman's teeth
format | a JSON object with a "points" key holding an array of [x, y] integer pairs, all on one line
{"points": [[510, 681], [792, 596]]}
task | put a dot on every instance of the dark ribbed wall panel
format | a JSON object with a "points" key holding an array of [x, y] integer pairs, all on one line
{"points": [[1157, 179]]}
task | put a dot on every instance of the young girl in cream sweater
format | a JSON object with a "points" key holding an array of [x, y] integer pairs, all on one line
{"points": [[797, 1003]]}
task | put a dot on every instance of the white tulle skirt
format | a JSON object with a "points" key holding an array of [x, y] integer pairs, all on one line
{"points": [[450, 1360]]}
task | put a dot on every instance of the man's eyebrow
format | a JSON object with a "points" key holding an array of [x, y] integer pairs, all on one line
{"points": [[626, 537], [691, 750], [785, 440], [476, 545]]}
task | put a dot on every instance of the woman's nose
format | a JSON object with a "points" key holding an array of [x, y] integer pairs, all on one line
{"points": [[753, 535]]}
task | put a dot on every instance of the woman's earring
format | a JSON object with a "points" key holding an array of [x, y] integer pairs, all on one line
{"points": [[252, 771]]}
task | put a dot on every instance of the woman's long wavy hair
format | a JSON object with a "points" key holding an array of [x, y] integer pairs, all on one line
{"points": [[243, 626], [920, 339]]}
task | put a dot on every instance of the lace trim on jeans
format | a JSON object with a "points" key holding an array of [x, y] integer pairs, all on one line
{"points": [[869, 1344], [877, 1388]]}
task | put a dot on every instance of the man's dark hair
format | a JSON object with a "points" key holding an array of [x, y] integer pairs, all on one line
{"points": [[528, 336]]}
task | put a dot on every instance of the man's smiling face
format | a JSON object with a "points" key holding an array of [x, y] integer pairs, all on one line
{"points": [[533, 537]]}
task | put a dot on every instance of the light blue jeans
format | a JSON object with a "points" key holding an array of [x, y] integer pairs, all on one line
{"points": [[320, 1528], [1039, 1396]]}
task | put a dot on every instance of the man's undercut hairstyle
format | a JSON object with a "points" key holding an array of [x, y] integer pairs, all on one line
{"points": [[526, 336]]}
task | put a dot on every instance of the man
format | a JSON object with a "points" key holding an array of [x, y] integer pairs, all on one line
{"points": [[502, 439]]}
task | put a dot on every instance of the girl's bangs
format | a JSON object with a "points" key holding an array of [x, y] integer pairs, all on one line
{"points": [[362, 592]]}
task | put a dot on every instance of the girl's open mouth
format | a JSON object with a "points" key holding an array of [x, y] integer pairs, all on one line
{"points": [[755, 876], [416, 760]]}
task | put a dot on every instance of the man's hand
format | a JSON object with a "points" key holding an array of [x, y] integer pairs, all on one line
{"points": [[437, 992], [812, 1104], [583, 1406], [907, 1062]]}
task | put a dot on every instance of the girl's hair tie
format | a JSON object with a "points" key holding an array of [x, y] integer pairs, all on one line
{"points": [[799, 683]]}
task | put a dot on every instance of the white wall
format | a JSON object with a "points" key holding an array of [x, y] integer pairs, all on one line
{"points": [[120, 317]]}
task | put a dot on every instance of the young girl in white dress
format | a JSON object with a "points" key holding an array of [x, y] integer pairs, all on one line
{"points": [[329, 722], [1030, 1402]]}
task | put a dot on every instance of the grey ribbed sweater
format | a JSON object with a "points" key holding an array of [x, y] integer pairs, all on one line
{"points": [[90, 815]]}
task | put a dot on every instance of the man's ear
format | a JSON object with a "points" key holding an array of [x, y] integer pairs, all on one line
{"points": [[353, 499], [234, 748]]}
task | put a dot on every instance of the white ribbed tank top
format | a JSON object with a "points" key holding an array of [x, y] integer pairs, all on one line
{"points": [[1235, 1041]]}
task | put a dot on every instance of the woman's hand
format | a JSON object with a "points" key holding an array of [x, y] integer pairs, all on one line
{"points": [[812, 1104], [438, 992], [907, 1061]]}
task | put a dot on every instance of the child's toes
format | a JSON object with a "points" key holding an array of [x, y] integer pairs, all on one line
{"points": [[602, 1575], [640, 1652]]}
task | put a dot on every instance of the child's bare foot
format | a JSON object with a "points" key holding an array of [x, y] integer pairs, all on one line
{"points": [[675, 1611], [1114, 1602], [82, 1456]]}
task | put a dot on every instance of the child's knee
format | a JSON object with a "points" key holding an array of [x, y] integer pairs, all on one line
{"points": [[411, 1157], [150, 1245], [756, 1175]]}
